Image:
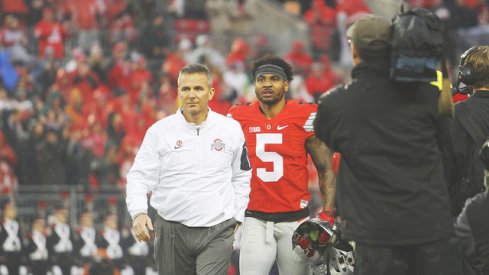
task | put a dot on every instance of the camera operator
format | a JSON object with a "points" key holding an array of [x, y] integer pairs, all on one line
{"points": [[464, 169], [391, 192]]}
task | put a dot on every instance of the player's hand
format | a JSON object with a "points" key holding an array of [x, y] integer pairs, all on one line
{"points": [[327, 215], [141, 224]]}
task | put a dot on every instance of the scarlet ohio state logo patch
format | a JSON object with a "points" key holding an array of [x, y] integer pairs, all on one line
{"points": [[218, 145]]}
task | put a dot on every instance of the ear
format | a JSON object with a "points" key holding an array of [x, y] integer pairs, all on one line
{"points": [[286, 86], [211, 93], [354, 55]]}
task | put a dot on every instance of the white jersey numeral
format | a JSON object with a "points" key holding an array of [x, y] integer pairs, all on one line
{"points": [[273, 157]]}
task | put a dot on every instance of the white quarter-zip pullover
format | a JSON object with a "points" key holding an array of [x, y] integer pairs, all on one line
{"points": [[198, 175]]}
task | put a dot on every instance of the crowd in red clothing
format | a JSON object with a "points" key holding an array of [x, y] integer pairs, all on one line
{"points": [[75, 103], [71, 112], [74, 113]]}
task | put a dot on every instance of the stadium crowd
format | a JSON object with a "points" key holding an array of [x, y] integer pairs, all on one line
{"points": [[82, 80]]}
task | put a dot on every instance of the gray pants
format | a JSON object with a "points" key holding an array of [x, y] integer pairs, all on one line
{"points": [[182, 250]]}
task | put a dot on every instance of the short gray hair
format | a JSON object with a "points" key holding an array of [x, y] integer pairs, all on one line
{"points": [[197, 68]]}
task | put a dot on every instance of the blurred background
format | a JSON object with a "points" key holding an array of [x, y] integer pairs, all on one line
{"points": [[81, 80]]}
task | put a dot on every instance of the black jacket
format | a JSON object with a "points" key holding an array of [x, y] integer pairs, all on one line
{"points": [[472, 232], [468, 131], [390, 185]]}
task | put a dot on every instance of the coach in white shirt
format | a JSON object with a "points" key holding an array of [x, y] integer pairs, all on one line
{"points": [[196, 166]]}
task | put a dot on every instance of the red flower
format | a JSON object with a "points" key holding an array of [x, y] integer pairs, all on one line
{"points": [[303, 243], [324, 238]]}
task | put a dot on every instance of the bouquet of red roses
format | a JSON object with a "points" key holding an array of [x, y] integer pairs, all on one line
{"points": [[313, 236], [321, 243]]}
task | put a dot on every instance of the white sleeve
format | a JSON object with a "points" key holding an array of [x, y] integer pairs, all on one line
{"points": [[241, 178], [309, 124], [143, 175]]}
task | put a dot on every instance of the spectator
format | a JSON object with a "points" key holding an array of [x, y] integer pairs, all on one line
{"points": [[298, 89], [322, 22], [45, 76], [125, 158], [240, 52], [130, 116], [206, 54], [354, 9], [118, 76], [222, 99], [14, 39], [114, 8], [8, 160], [74, 110], [173, 63], [236, 79], [26, 87], [18, 127], [98, 62], [115, 129], [139, 76], [86, 80], [261, 47], [50, 157], [84, 15], [154, 41], [95, 144], [166, 97], [186, 46], [348, 11], [298, 57], [51, 35], [35, 11], [320, 80], [221, 14], [122, 29], [77, 165]]}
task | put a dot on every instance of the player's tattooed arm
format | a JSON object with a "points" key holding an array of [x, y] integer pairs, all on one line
{"points": [[321, 157]]}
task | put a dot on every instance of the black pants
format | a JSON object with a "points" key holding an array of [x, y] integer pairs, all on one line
{"points": [[13, 262], [39, 267], [441, 257]]}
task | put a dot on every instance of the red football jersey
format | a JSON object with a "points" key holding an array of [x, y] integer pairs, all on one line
{"points": [[278, 156]]}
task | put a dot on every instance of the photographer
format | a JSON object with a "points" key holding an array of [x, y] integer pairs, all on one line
{"points": [[464, 169]]}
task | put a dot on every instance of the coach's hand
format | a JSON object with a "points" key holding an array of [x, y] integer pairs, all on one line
{"points": [[141, 224]]}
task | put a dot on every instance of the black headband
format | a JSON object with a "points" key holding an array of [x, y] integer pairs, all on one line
{"points": [[271, 69]]}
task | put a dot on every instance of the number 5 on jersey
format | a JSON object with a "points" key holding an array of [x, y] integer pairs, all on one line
{"points": [[273, 157]]}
